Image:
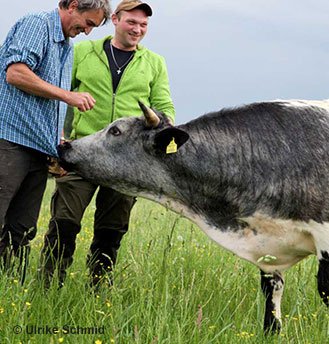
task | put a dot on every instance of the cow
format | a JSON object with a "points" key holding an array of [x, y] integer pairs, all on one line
{"points": [[254, 178]]}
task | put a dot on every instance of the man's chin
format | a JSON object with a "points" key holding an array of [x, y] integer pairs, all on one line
{"points": [[135, 40], [75, 33], [133, 43], [72, 34]]}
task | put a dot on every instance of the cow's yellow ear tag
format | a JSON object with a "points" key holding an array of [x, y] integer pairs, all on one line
{"points": [[172, 147]]}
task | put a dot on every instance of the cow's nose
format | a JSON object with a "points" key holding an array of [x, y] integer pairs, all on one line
{"points": [[65, 146]]}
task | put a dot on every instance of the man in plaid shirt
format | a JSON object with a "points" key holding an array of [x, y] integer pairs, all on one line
{"points": [[35, 78]]}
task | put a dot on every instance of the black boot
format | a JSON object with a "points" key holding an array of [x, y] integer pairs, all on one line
{"points": [[14, 257], [58, 250]]}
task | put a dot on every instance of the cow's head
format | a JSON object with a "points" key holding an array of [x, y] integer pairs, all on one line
{"points": [[126, 153]]}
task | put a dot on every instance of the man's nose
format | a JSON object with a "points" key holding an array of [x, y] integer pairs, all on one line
{"points": [[88, 30], [137, 29]]}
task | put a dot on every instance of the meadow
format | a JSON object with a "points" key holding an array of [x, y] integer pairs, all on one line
{"points": [[171, 285]]}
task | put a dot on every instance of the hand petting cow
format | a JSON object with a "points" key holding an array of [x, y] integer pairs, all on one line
{"points": [[254, 178]]}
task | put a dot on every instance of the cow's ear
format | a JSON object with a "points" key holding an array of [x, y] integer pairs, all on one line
{"points": [[165, 137]]}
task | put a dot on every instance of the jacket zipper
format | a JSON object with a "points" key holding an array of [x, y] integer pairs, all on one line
{"points": [[114, 94], [113, 102], [108, 67]]}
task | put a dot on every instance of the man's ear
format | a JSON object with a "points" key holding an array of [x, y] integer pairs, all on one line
{"points": [[114, 19], [165, 136], [73, 6]]}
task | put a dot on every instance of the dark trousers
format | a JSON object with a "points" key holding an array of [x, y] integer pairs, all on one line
{"points": [[69, 202], [23, 178]]}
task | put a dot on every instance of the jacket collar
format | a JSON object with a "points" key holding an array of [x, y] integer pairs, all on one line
{"points": [[98, 47]]}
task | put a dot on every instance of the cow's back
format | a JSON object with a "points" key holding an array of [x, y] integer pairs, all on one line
{"points": [[271, 157]]}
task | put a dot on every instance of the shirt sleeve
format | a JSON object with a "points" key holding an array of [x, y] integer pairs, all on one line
{"points": [[29, 42], [160, 97]]}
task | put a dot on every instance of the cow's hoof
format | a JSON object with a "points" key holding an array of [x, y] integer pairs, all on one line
{"points": [[273, 327]]}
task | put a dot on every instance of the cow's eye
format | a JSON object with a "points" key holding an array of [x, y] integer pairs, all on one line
{"points": [[115, 131]]}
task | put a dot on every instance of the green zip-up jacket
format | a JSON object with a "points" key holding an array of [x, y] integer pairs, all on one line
{"points": [[145, 79]]}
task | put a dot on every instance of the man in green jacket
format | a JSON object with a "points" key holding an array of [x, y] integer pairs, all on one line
{"points": [[118, 72]]}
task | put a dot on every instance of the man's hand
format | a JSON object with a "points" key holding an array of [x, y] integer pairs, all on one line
{"points": [[82, 100]]}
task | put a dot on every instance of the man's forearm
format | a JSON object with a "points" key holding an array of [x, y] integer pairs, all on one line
{"points": [[22, 77]]}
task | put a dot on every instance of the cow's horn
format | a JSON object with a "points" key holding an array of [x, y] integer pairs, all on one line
{"points": [[152, 120]]}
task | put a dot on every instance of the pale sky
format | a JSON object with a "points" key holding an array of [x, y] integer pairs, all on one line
{"points": [[227, 53]]}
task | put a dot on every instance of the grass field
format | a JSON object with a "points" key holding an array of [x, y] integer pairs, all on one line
{"points": [[172, 285]]}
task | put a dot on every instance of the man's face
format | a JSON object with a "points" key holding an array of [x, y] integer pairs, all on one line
{"points": [[130, 27], [81, 21]]}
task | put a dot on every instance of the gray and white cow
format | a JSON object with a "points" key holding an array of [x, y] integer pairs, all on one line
{"points": [[254, 178]]}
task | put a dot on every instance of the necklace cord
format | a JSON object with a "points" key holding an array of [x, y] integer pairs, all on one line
{"points": [[115, 61]]}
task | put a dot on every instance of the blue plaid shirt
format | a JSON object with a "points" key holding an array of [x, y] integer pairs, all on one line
{"points": [[38, 41]]}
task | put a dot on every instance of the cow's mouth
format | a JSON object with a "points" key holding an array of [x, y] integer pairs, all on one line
{"points": [[67, 166], [62, 150]]}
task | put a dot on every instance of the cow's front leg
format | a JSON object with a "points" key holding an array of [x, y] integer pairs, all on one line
{"points": [[323, 276], [272, 287]]}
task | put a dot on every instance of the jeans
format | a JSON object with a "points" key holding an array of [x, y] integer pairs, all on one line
{"points": [[23, 178]]}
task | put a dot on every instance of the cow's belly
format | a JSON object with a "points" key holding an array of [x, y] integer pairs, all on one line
{"points": [[271, 244]]}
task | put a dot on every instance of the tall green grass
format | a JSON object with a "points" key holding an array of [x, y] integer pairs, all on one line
{"points": [[172, 285]]}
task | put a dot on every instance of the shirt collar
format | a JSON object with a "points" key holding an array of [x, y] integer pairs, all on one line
{"points": [[58, 30]]}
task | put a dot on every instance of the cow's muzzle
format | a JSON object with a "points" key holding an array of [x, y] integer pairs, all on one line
{"points": [[62, 149]]}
